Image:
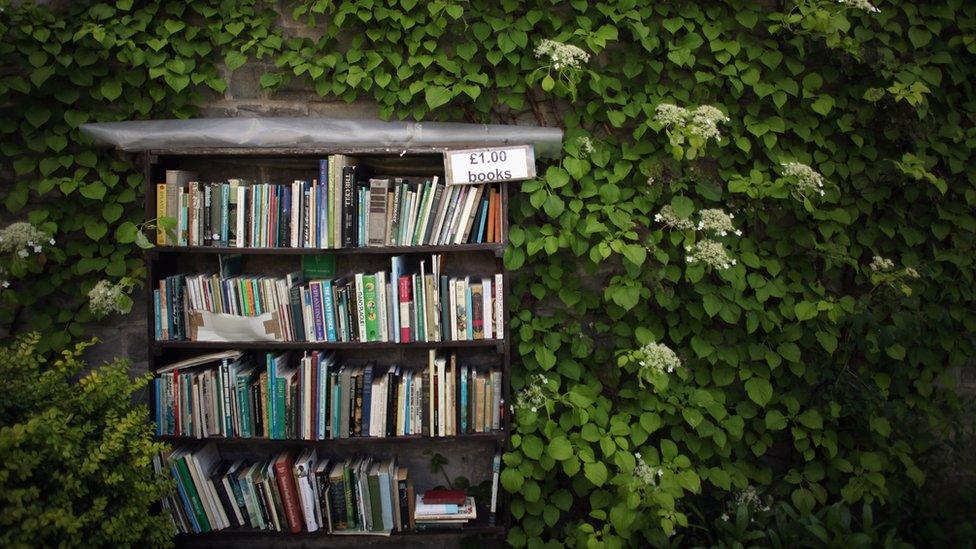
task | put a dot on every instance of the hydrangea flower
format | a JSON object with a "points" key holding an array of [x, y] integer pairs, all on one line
{"points": [[879, 264], [863, 5], [106, 298], [804, 179], [750, 498], [532, 396], [703, 121], [585, 145], [711, 253], [562, 55], [645, 474], [716, 221], [911, 272], [21, 238], [670, 218], [658, 358]]}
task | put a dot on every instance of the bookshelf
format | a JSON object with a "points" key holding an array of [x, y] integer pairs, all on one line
{"points": [[469, 454]]}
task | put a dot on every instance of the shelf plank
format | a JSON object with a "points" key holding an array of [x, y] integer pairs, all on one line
{"points": [[494, 248], [341, 443], [478, 528], [348, 345]]}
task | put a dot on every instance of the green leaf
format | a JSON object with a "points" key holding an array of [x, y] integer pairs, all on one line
{"points": [[596, 473], [805, 310], [759, 390], [234, 59], [437, 96], [532, 446], [775, 420], [511, 479], [111, 89], [560, 448], [683, 206]]}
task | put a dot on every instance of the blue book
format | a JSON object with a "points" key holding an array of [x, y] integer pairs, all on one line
{"points": [[483, 216], [157, 314], [367, 400], [186, 501], [272, 380], [468, 309], [385, 504], [316, 290], [322, 203], [464, 399], [362, 214], [284, 219], [224, 214], [329, 311]]}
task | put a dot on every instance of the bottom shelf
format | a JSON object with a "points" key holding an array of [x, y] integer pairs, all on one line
{"points": [[263, 538]]}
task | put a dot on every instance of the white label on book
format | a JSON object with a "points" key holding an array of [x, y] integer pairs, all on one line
{"points": [[477, 166]]}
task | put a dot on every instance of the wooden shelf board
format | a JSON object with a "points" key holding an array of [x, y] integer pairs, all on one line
{"points": [[350, 442], [350, 345], [494, 248]]}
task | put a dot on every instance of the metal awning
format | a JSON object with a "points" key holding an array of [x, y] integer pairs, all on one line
{"points": [[320, 134]]}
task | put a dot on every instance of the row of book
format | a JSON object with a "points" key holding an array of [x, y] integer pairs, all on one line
{"points": [[288, 491], [314, 397], [301, 491], [385, 306], [343, 208]]}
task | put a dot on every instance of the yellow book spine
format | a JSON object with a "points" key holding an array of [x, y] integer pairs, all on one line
{"points": [[160, 212]]}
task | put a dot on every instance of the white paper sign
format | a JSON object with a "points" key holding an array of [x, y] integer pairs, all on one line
{"points": [[477, 166]]}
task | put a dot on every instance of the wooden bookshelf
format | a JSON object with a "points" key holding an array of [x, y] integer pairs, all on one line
{"points": [[279, 165]]}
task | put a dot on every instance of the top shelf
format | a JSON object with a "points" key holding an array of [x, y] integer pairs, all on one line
{"points": [[495, 248]]}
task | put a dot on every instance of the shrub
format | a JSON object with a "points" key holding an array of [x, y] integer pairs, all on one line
{"points": [[75, 453]]}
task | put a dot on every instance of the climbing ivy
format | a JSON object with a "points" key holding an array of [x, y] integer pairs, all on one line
{"points": [[811, 361]]}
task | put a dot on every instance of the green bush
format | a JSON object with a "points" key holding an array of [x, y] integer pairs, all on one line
{"points": [[75, 454]]}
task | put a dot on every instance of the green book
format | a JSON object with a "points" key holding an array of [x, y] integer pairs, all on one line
{"points": [[372, 312], [191, 493], [375, 506], [350, 497]]}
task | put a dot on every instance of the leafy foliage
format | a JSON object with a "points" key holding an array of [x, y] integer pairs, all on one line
{"points": [[804, 370], [75, 454]]}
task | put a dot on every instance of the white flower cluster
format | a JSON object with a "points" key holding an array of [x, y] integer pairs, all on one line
{"points": [[22, 238], [805, 179], [703, 121], [879, 264], [533, 396], [750, 498], [670, 218], [657, 358], [562, 55], [863, 5], [911, 272], [711, 253], [585, 145], [104, 298], [647, 475], [716, 221]]}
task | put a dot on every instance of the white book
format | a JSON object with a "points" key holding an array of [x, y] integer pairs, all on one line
{"points": [[431, 371], [465, 213], [441, 396], [499, 307], [446, 197], [374, 408], [459, 200], [311, 208], [296, 195], [425, 215], [381, 416], [201, 464], [303, 476], [420, 301], [486, 309], [241, 204], [452, 311]]}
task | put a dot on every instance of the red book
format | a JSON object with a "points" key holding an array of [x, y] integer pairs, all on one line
{"points": [[406, 299], [434, 497], [284, 473]]}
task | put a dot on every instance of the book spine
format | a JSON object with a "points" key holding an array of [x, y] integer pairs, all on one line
{"points": [[477, 312], [405, 291], [289, 495], [367, 400], [371, 313], [349, 202], [499, 311], [319, 323]]}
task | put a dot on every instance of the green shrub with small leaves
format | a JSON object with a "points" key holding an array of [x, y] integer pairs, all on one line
{"points": [[75, 454], [752, 266]]}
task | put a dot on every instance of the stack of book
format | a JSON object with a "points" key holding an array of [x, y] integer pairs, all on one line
{"points": [[288, 491], [400, 305], [343, 208], [443, 510], [313, 397]]}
